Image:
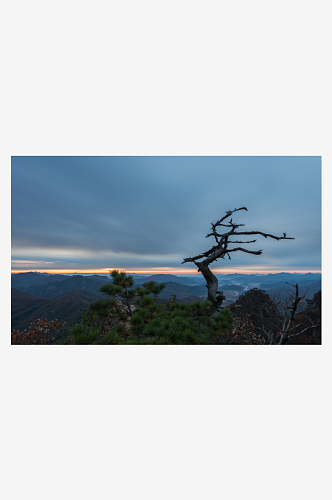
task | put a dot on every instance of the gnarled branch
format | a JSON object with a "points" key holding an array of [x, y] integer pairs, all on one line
{"points": [[266, 235], [221, 250]]}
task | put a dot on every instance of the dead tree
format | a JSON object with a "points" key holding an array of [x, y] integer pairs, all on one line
{"points": [[220, 250], [288, 326]]}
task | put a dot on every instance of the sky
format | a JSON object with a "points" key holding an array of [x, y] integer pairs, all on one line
{"points": [[146, 214]]}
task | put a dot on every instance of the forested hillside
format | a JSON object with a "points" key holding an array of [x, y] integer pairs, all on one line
{"points": [[28, 308]]}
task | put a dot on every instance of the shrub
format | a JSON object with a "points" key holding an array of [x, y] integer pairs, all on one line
{"points": [[40, 332], [83, 335], [139, 320]]}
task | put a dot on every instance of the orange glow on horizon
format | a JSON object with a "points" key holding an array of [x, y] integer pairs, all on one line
{"points": [[163, 270]]}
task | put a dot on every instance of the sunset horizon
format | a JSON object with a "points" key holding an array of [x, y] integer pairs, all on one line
{"points": [[162, 271]]}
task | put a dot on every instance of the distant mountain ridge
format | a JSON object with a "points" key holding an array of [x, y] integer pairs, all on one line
{"points": [[21, 280], [305, 288], [50, 286], [164, 278], [270, 278], [25, 279], [52, 289]]}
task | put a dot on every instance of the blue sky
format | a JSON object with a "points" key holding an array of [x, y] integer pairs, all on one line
{"points": [[146, 214]]}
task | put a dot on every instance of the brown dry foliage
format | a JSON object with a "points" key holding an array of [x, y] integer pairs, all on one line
{"points": [[244, 333], [38, 333]]}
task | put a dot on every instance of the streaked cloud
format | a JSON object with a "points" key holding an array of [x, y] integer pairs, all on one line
{"points": [[144, 212]]}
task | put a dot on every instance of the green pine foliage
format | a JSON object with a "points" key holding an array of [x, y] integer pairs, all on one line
{"points": [[106, 322], [83, 335], [179, 323]]}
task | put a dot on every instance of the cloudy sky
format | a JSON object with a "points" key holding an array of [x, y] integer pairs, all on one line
{"points": [[146, 214]]}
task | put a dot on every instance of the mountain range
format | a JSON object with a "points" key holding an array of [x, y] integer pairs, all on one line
{"points": [[56, 296], [53, 288]]}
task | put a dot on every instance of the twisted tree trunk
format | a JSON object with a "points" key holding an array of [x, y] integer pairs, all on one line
{"points": [[214, 296]]}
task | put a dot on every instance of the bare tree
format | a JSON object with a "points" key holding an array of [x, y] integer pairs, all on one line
{"points": [[288, 326], [274, 320], [244, 333], [220, 250]]}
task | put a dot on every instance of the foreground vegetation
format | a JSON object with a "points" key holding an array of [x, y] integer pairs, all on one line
{"points": [[131, 316]]}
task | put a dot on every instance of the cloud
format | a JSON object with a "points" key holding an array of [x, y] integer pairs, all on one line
{"points": [[132, 208], [30, 262]]}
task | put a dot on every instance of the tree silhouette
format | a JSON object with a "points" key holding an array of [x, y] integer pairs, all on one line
{"points": [[220, 250]]}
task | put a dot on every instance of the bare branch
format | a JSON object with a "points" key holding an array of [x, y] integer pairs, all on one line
{"points": [[200, 256], [295, 326], [253, 241], [228, 214], [266, 235], [254, 252], [312, 323], [299, 333]]}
